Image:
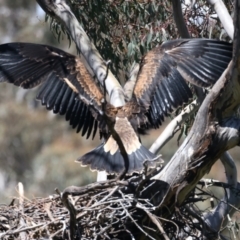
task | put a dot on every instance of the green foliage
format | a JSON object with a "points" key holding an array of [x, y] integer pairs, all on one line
{"points": [[123, 31]]}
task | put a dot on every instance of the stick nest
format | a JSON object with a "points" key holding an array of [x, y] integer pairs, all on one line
{"points": [[114, 209]]}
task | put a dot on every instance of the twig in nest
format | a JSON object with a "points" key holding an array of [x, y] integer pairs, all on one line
{"points": [[103, 230], [154, 220], [143, 181], [78, 191], [72, 212], [166, 220], [134, 221], [20, 230], [109, 195]]}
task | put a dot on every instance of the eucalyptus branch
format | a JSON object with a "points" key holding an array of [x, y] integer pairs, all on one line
{"points": [[215, 130], [129, 85], [223, 15], [173, 127], [61, 11], [179, 20], [217, 218]]}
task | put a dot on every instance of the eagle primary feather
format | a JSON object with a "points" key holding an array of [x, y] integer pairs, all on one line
{"points": [[68, 89], [64, 78], [161, 85]]}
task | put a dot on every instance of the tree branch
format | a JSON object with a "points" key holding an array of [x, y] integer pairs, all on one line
{"points": [[206, 141], [62, 12], [214, 131], [231, 201], [173, 127], [129, 85], [179, 20], [223, 15]]}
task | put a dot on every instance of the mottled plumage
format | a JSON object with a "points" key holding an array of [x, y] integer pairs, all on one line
{"points": [[67, 88]]}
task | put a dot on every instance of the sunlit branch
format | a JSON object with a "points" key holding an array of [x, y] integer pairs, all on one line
{"points": [[173, 127], [61, 11], [223, 15]]}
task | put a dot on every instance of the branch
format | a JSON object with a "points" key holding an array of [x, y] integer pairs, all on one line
{"points": [[129, 85], [179, 20], [23, 235], [62, 12], [173, 127], [214, 131], [206, 141], [231, 200], [224, 16]]}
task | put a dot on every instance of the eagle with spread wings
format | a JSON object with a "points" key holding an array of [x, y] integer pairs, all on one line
{"points": [[67, 88]]}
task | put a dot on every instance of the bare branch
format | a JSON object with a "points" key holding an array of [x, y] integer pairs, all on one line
{"points": [[223, 15], [205, 143], [173, 127], [231, 201], [154, 220], [214, 131], [62, 12], [129, 85], [179, 20]]}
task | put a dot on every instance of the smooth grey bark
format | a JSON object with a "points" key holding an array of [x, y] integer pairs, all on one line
{"points": [[129, 85], [214, 131], [223, 15], [173, 127], [231, 200]]}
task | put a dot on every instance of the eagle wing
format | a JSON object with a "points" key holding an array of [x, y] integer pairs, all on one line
{"points": [[161, 82], [67, 87]]}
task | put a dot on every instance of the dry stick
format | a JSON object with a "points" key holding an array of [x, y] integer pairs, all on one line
{"points": [[166, 220], [23, 235], [25, 229], [60, 230], [109, 195], [72, 212], [94, 198], [47, 207], [103, 230], [104, 203], [134, 221], [199, 219], [10, 232], [154, 220], [77, 191]]}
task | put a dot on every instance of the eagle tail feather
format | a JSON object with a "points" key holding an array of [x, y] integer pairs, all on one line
{"points": [[100, 160]]}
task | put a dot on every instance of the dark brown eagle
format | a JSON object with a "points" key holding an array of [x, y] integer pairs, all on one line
{"points": [[68, 89]]}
